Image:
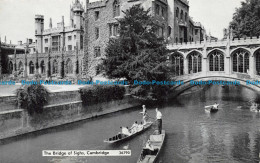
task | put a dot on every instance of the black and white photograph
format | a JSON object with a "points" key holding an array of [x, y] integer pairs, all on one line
{"points": [[129, 81]]}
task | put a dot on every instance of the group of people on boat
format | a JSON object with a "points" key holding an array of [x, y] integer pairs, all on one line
{"points": [[255, 107], [135, 128]]}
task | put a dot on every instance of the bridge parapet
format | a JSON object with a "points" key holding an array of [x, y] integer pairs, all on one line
{"points": [[212, 44]]}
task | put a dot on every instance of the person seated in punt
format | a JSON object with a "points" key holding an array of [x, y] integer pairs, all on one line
{"points": [[148, 150], [125, 131], [254, 107], [140, 127], [215, 106], [134, 128]]}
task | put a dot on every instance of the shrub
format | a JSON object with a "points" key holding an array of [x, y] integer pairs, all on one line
{"points": [[32, 98], [101, 93]]}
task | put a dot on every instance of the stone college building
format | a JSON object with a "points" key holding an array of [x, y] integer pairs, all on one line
{"points": [[81, 45]]}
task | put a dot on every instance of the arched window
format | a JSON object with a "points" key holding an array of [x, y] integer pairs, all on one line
{"points": [[42, 66], [216, 61], [177, 62], [69, 67], [177, 12], [11, 66], [257, 62], [240, 61], [116, 8], [20, 66], [181, 14], [55, 67], [194, 61], [169, 31], [31, 68]]}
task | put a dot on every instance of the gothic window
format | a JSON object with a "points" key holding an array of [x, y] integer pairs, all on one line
{"points": [[186, 16], [97, 51], [194, 62], [42, 66], [81, 42], [177, 12], [20, 66], [181, 14], [157, 9], [46, 49], [240, 61], [216, 61], [55, 67], [55, 43], [114, 30], [96, 15], [177, 63], [97, 32], [163, 12], [31, 68], [257, 61], [69, 67], [69, 47], [169, 31], [10, 67], [116, 8]]}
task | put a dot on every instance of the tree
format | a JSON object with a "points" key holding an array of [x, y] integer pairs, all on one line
{"points": [[33, 98], [138, 53], [246, 19]]}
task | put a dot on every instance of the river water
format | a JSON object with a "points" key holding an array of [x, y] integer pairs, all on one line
{"points": [[193, 136]]}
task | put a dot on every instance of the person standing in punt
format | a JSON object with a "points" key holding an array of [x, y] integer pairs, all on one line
{"points": [[145, 115], [159, 120]]}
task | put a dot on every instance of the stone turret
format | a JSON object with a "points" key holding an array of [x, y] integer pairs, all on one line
{"points": [[77, 11], [39, 28]]}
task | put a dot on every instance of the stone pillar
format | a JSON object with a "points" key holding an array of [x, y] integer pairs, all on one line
{"points": [[25, 64], [204, 58], [227, 59], [185, 64], [252, 66], [228, 65], [204, 66]]}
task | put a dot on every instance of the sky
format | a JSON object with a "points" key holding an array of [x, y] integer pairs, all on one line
{"points": [[17, 16]]}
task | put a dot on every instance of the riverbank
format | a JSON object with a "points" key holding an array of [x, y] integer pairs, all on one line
{"points": [[63, 108]]}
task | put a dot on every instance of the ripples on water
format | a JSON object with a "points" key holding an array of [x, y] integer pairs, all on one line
{"points": [[193, 136]]}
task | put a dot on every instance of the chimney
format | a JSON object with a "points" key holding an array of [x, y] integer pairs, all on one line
{"points": [[63, 21], [50, 23], [5, 39]]}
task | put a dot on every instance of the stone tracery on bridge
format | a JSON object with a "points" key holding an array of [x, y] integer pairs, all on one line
{"points": [[225, 57]]}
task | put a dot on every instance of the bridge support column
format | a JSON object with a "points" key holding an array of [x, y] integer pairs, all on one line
{"points": [[252, 67], [228, 65], [204, 66], [185, 63]]}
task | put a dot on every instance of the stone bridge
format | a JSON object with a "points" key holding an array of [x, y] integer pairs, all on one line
{"points": [[225, 60]]}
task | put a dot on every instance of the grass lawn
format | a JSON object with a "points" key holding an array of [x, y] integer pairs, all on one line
{"points": [[8, 90]]}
